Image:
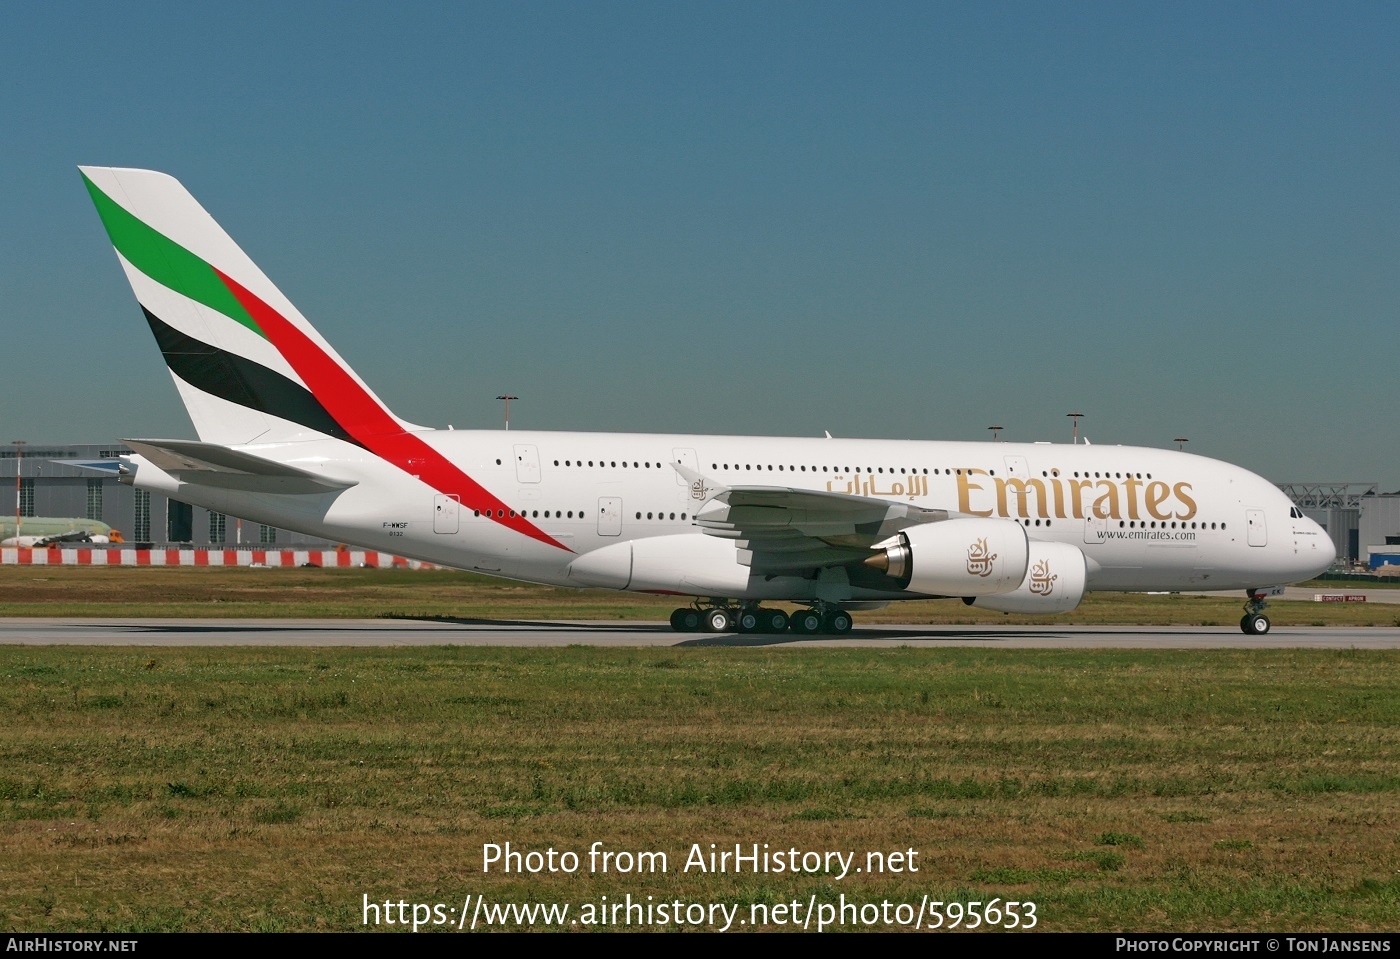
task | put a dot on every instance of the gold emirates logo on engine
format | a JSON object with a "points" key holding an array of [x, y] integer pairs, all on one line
{"points": [[980, 558], [1064, 498], [1042, 582]]}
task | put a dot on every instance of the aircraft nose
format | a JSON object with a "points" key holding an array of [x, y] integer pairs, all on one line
{"points": [[1314, 547], [1331, 546]]}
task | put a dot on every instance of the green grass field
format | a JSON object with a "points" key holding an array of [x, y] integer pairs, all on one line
{"points": [[266, 789], [275, 789]]}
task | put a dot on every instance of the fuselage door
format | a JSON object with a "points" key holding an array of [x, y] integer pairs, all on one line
{"points": [[1094, 528], [446, 513], [1258, 532], [527, 463], [610, 516], [687, 459], [1017, 466]]}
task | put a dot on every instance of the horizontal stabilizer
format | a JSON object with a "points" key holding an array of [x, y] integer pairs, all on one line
{"points": [[106, 467], [209, 464]]}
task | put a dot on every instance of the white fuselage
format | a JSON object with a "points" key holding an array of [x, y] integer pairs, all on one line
{"points": [[1145, 519]]}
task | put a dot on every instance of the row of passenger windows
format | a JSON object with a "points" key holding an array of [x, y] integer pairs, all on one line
{"points": [[560, 514], [579, 514], [615, 464], [789, 468], [1141, 524], [903, 470]]}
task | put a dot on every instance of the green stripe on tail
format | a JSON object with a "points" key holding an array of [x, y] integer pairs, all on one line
{"points": [[165, 261]]}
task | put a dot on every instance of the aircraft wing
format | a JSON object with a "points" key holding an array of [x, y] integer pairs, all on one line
{"points": [[782, 529], [72, 536], [209, 464]]}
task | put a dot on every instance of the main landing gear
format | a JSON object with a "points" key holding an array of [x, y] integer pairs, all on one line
{"points": [[720, 617], [1254, 622]]}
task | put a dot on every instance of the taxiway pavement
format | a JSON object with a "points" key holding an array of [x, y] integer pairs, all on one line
{"points": [[57, 631]]}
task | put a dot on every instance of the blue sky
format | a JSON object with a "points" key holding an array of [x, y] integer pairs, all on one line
{"points": [[908, 220]]}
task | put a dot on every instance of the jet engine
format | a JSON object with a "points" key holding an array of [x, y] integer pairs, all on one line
{"points": [[1054, 583], [957, 557]]}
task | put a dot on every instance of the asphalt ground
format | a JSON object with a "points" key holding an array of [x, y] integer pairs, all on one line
{"points": [[59, 631]]}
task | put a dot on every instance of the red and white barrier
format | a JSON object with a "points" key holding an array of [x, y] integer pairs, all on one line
{"points": [[16, 556]]}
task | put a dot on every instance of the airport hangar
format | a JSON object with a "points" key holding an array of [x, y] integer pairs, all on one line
{"points": [[80, 480]]}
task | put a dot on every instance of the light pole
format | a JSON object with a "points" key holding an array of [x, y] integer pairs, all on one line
{"points": [[1181, 442], [19, 470], [507, 397], [996, 431], [1075, 417]]}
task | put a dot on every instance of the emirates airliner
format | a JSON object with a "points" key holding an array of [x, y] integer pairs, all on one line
{"points": [[290, 436]]}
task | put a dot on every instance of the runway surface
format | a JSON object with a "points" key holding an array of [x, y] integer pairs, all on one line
{"points": [[469, 632]]}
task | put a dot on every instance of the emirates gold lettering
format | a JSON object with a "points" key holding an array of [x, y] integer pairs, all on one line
{"points": [[1022, 490], [1187, 502], [1054, 497], [1157, 492], [965, 488], [1132, 483], [1060, 498], [1106, 506], [1076, 489]]}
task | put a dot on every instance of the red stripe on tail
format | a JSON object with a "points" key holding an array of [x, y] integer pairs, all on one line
{"points": [[371, 424]]}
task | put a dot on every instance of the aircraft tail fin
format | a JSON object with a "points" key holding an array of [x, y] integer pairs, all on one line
{"points": [[248, 365]]}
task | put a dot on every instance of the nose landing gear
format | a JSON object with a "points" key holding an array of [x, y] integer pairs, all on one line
{"points": [[1254, 622]]}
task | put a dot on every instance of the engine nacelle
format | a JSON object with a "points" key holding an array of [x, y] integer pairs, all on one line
{"points": [[1054, 582], [957, 557]]}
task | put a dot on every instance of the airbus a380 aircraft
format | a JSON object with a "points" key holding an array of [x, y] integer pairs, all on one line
{"points": [[290, 436]]}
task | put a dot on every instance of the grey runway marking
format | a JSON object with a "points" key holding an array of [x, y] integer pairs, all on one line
{"points": [[34, 631]]}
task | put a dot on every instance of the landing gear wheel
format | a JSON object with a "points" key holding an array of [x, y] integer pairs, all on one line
{"points": [[686, 620], [1255, 624], [773, 620], [718, 621], [805, 622], [838, 621], [750, 621]]}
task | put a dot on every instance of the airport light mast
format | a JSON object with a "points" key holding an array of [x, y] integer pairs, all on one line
{"points": [[1075, 417], [19, 469], [507, 397]]}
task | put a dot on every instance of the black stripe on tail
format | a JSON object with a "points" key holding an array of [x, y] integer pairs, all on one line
{"points": [[238, 380]]}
